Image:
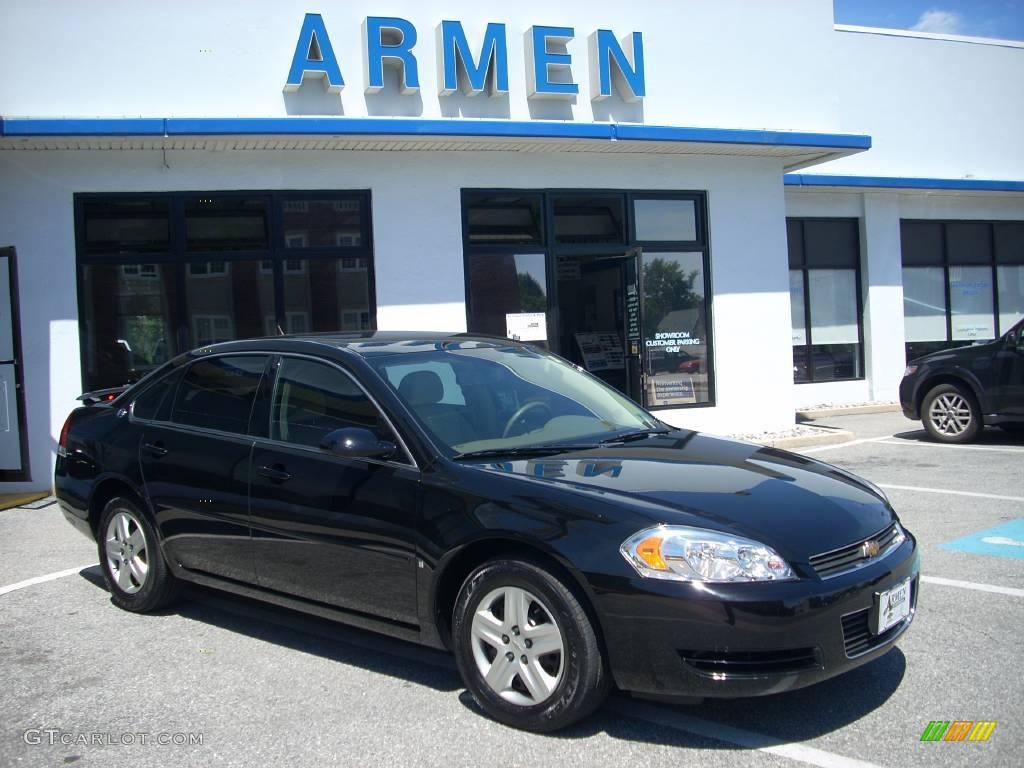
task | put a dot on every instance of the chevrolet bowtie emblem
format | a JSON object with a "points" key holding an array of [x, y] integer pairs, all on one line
{"points": [[869, 548]]}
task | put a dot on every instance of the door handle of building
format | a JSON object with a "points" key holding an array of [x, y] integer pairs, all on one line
{"points": [[276, 473], [157, 449]]}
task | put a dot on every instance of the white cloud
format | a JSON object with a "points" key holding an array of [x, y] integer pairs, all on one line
{"points": [[935, 20]]}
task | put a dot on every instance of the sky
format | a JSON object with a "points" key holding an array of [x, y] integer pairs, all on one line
{"points": [[981, 18]]}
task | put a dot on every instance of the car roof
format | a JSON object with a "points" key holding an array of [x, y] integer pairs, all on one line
{"points": [[371, 343]]}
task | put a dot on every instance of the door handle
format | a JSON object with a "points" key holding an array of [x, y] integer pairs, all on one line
{"points": [[157, 449], [276, 473]]}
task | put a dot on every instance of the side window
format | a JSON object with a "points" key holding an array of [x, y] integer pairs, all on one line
{"points": [[313, 399], [218, 392], [154, 403]]}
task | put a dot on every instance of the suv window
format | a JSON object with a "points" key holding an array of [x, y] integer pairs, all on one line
{"points": [[218, 392], [313, 399], [154, 404]]}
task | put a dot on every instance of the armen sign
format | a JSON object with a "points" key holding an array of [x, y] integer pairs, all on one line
{"points": [[389, 41]]}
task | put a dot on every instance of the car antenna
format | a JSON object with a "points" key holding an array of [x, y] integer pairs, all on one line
{"points": [[280, 332]]}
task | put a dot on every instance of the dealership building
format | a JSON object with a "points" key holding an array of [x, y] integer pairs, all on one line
{"points": [[727, 210]]}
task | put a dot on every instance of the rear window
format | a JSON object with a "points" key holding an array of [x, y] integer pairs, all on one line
{"points": [[218, 392]]}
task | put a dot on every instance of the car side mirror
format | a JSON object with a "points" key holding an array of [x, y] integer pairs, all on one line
{"points": [[357, 443]]}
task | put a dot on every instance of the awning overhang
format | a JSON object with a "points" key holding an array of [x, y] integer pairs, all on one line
{"points": [[796, 149]]}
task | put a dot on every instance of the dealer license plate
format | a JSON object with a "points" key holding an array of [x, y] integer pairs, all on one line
{"points": [[893, 607]]}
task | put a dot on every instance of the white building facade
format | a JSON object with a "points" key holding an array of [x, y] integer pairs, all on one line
{"points": [[727, 210]]}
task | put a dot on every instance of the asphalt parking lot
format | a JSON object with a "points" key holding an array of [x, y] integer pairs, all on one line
{"points": [[259, 686]]}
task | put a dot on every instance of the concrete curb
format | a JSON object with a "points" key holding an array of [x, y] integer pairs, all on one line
{"points": [[832, 437], [825, 413]]}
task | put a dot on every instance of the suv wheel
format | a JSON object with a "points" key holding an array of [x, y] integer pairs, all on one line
{"points": [[526, 648], [130, 556], [950, 415]]}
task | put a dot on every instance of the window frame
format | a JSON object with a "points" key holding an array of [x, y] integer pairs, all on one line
{"points": [[945, 263], [805, 271], [182, 372], [272, 260], [551, 250], [270, 391]]}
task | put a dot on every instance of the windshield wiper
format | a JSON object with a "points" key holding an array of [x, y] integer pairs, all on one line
{"points": [[629, 437], [530, 450]]}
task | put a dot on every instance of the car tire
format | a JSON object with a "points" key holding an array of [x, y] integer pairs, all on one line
{"points": [[950, 414], [526, 647], [131, 559]]}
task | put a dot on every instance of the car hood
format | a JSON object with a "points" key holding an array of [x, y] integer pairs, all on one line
{"points": [[799, 506], [961, 354]]}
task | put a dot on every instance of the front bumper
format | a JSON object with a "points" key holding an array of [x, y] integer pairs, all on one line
{"points": [[732, 640], [908, 398]]}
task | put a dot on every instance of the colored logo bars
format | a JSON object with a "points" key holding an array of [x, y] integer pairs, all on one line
{"points": [[958, 730]]}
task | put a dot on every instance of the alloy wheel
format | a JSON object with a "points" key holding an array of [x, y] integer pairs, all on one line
{"points": [[126, 552], [517, 646], [950, 414]]}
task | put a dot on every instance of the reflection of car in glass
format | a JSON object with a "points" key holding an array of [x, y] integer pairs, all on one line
{"points": [[957, 392], [488, 497], [687, 363]]}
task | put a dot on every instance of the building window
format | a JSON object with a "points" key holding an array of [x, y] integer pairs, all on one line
{"points": [[963, 282], [208, 269], [617, 282], [825, 300], [243, 264]]}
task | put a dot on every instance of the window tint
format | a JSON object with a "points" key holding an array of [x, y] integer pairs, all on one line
{"points": [[832, 243], [582, 220], [665, 219], [154, 403], [218, 392], [509, 295], [125, 227], [225, 224], [313, 399], [921, 243], [503, 219]]}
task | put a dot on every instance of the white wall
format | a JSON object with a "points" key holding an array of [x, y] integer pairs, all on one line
{"points": [[934, 108], [418, 251], [730, 63]]}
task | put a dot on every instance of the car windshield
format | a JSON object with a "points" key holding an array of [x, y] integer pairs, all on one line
{"points": [[479, 396]]}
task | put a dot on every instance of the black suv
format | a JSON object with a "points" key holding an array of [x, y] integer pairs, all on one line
{"points": [[956, 392]]}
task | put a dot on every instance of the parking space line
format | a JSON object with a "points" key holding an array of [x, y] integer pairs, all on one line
{"points": [[972, 494], [837, 446], [916, 444], [736, 736], [43, 579], [973, 585]]}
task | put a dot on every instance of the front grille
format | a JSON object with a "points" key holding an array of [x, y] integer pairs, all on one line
{"points": [[750, 663], [857, 635], [839, 561]]}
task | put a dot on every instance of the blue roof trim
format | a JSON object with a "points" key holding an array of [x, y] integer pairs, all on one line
{"points": [[119, 126], [901, 182], [357, 126], [740, 136]]}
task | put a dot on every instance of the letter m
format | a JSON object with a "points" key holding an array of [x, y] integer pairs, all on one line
{"points": [[454, 52], [935, 730]]}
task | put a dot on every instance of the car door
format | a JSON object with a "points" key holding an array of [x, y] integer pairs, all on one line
{"points": [[195, 466], [1009, 374], [327, 528]]}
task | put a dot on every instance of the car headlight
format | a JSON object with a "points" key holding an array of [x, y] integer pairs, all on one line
{"points": [[910, 370], [681, 553]]}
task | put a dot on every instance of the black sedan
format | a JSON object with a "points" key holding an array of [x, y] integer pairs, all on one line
{"points": [[488, 497]]}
